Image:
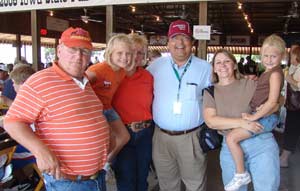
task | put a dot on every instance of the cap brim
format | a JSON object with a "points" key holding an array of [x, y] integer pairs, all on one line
{"points": [[78, 44], [174, 34]]}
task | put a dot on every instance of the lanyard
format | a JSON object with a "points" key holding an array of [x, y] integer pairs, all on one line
{"points": [[179, 78]]}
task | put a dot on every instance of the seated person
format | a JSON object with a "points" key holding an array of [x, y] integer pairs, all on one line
{"points": [[19, 75]]}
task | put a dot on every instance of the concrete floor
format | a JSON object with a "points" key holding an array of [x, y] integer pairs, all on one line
{"points": [[290, 177]]}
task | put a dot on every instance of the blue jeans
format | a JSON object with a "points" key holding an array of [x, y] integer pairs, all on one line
{"points": [[111, 115], [2, 171], [269, 122], [261, 161], [67, 185], [132, 164]]}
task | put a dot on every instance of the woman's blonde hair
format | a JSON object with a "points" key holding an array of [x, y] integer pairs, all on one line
{"points": [[138, 39], [276, 41], [227, 53], [113, 41]]}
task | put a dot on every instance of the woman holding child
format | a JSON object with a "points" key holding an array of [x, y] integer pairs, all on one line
{"points": [[223, 111]]}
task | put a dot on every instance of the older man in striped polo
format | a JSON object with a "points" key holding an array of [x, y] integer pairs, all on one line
{"points": [[72, 136]]}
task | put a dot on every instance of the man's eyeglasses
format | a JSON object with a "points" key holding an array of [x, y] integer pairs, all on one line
{"points": [[82, 51]]}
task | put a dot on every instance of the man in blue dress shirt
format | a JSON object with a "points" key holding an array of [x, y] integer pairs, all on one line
{"points": [[177, 113]]}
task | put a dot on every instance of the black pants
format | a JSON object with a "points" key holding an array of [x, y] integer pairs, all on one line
{"points": [[292, 130]]}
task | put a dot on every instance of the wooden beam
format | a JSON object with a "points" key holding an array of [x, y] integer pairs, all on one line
{"points": [[202, 21], [36, 41], [109, 21], [18, 46]]}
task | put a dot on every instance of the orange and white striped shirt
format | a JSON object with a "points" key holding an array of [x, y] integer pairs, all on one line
{"points": [[68, 119]]}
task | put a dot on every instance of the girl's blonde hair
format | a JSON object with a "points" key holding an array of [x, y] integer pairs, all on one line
{"points": [[237, 75], [276, 41], [113, 41]]}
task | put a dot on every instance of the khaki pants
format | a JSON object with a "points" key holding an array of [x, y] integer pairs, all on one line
{"points": [[179, 159]]}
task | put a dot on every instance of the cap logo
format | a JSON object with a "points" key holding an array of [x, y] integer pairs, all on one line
{"points": [[79, 34], [180, 26]]}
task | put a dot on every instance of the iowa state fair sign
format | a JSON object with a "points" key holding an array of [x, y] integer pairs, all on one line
{"points": [[25, 5]]}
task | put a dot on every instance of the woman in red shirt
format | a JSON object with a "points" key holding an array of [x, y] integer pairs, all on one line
{"points": [[133, 101]]}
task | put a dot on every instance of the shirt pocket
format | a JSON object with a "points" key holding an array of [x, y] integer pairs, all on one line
{"points": [[191, 90]]}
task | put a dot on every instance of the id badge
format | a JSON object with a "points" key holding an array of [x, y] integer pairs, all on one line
{"points": [[177, 107]]}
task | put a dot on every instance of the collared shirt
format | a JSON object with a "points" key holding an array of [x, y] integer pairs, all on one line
{"points": [[195, 79], [68, 120], [82, 83]]}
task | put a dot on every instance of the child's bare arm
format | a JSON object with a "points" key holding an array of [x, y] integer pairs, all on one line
{"points": [[272, 102]]}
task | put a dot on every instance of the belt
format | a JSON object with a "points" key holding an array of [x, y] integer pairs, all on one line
{"points": [[80, 177], [139, 125], [174, 133]]}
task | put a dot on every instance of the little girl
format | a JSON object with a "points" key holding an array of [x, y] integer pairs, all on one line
{"points": [[105, 78], [263, 104]]}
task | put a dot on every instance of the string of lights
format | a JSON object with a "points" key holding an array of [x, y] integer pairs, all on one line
{"points": [[246, 17]]}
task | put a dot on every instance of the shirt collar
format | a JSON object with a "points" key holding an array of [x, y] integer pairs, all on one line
{"points": [[61, 72], [179, 67], [82, 83], [67, 77]]}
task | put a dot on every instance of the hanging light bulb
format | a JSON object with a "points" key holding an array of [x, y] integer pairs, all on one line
{"points": [[132, 9], [240, 5], [51, 13]]}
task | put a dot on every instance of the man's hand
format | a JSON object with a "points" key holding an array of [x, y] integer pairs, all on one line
{"points": [[48, 163]]}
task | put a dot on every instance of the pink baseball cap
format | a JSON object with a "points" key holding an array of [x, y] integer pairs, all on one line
{"points": [[179, 27]]}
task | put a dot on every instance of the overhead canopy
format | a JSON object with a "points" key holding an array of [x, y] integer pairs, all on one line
{"points": [[26, 5], [27, 40]]}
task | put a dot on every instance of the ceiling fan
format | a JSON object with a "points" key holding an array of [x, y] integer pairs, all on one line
{"points": [[142, 32], [215, 29], [288, 18], [183, 15], [293, 12], [85, 18]]}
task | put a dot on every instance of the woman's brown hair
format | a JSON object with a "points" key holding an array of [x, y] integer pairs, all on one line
{"points": [[227, 53]]}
